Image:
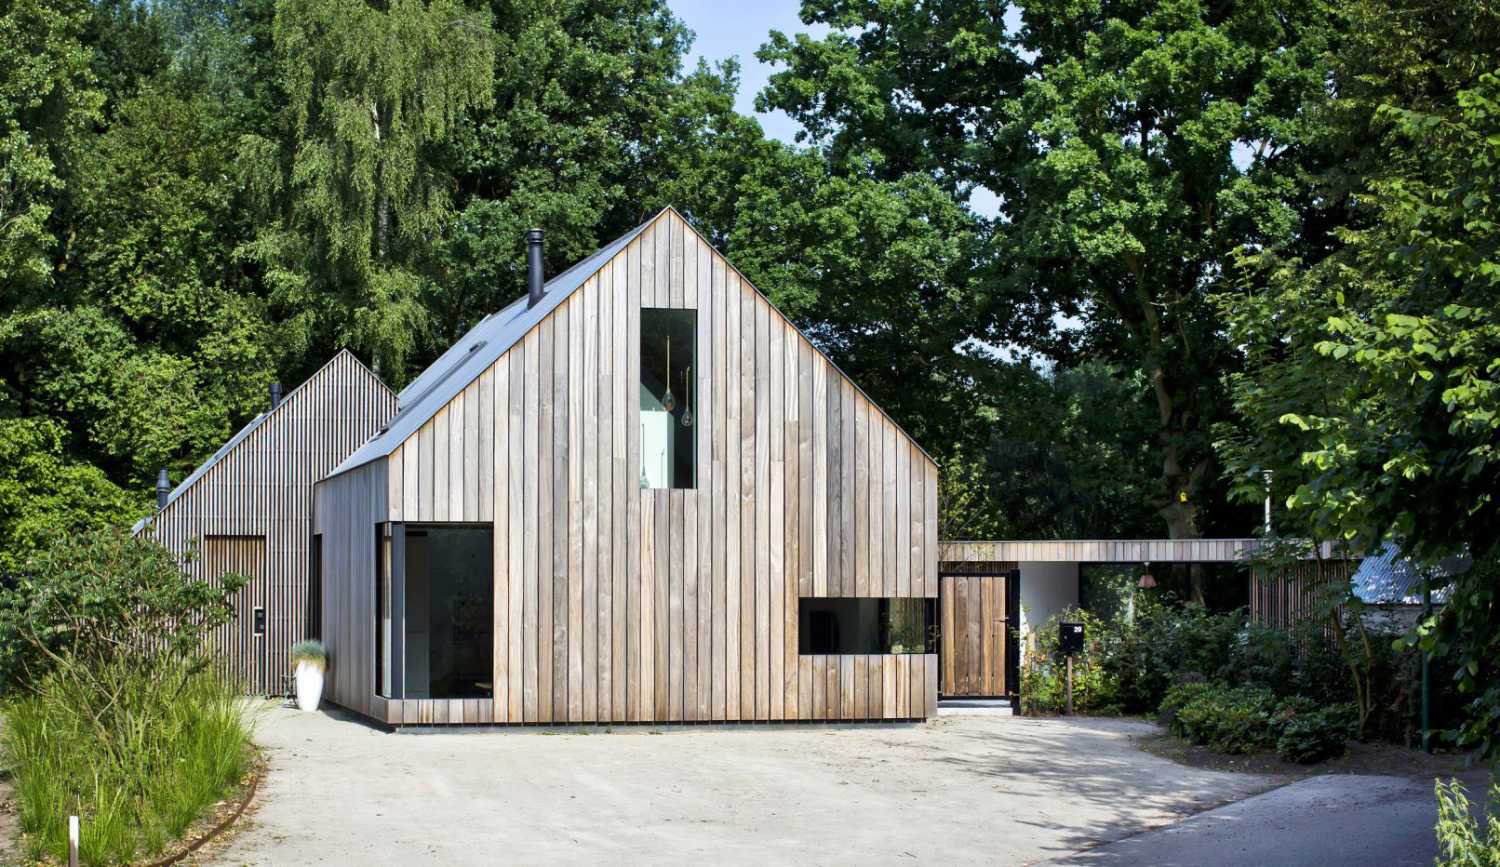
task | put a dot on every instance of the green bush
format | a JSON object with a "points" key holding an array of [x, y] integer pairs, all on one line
{"points": [[1177, 697], [1229, 719], [102, 593], [1044, 674], [1463, 839], [137, 752], [1315, 735], [1165, 643]]}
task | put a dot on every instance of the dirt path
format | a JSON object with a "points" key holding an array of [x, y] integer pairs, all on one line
{"points": [[959, 789], [10, 825]]}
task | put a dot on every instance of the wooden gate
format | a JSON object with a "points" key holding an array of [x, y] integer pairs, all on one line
{"points": [[974, 636]]}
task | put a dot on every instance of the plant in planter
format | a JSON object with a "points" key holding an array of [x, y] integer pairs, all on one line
{"points": [[309, 661]]}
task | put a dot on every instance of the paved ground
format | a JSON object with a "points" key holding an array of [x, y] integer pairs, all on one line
{"points": [[1330, 820], [958, 789]]}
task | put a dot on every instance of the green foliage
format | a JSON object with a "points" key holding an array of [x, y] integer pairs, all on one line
{"points": [[310, 650], [1372, 384], [103, 595], [1044, 670], [1246, 719], [43, 492], [351, 197], [1464, 838], [1227, 719], [1112, 160], [1167, 643], [1317, 735], [137, 746], [48, 102]]}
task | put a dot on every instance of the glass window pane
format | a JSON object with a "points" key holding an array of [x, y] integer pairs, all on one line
{"points": [[449, 611], [669, 411], [897, 625]]}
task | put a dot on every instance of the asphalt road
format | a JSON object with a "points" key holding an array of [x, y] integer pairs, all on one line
{"points": [[1318, 822]]}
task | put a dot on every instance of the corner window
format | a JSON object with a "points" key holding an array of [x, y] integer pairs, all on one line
{"points": [[863, 626], [434, 606], [669, 409]]}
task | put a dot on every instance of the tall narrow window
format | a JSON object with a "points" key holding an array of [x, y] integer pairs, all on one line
{"points": [[669, 410]]}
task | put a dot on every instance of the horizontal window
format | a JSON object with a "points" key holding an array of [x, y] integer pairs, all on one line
{"points": [[856, 626]]}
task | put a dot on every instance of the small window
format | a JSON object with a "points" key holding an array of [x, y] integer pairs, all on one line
{"points": [[669, 410], [862, 626]]}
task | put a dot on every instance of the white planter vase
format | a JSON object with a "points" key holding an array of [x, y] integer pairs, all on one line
{"points": [[309, 685]]}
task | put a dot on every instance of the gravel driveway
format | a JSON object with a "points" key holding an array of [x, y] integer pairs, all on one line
{"points": [[957, 789]]}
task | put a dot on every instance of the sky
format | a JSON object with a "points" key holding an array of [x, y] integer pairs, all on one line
{"points": [[722, 30]]}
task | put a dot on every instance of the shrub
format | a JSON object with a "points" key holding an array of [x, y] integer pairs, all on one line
{"points": [[1229, 719], [1044, 674], [138, 752], [1176, 698], [1166, 642], [100, 594], [1315, 735], [1462, 838]]}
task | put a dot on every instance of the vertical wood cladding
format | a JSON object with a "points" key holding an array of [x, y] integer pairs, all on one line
{"points": [[251, 511], [614, 603], [974, 625]]}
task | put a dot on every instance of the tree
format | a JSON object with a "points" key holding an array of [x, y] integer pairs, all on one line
{"points": [[581, 95], [48, 101], [352, 197], [1378, 366], [42, 491], [1109, 132]]}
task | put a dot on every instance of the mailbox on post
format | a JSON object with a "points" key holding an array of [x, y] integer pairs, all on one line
{"points": [[1070, 638]]}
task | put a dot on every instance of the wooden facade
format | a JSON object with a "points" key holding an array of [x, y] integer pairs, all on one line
{"points": [[618, 603], [248, 510]]}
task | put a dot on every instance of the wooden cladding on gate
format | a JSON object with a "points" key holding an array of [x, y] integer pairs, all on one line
{"points": [[615, 602], [262, 487], [974, 622]]}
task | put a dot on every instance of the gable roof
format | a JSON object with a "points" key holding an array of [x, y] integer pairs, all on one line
{"points": [[250, 427], [496, 334]]}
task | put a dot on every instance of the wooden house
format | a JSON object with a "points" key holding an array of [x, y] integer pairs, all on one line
{"points": [[248, 510], [639, 494]]}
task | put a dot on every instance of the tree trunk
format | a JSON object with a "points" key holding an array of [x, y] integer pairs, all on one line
{"points": [[1180, 484]]}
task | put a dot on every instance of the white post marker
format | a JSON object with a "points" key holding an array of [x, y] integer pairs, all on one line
{"points": [[72, 841]]}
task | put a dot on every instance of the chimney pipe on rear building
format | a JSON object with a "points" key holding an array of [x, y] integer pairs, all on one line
{"points": [[276, 394], [163, 488], [534, 279]]}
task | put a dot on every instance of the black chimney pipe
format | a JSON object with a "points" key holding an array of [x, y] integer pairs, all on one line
{"points": [[533, 266], [275, 394], [163, 488]]}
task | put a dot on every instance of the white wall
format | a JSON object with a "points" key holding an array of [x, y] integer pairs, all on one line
{"points": [[1046, 589]]}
